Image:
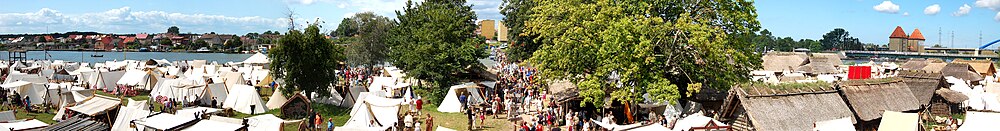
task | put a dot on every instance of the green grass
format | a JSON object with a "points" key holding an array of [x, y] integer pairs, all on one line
{"points": [[44, 117], [458, 121]]}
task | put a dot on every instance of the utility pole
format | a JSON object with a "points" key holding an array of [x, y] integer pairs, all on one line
{"points": [[939, 36], [952, 39]]}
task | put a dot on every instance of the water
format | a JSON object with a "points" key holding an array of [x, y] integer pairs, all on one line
{"points": [[77, 56]]}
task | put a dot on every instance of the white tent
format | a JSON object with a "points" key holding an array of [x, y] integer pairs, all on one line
{"points": [[276, 99], [186, 90], [107, 80], [35, 92], [242, 97], [266, 122], [694, 120], [138, 78], [383, 111], [257, 59], [23, 125], [96, 105], [164, 121], [892, 120], [128, 113], [451, 102], [232, 78], [213, 126], [217, 90], [7, 115], [980, 121]]}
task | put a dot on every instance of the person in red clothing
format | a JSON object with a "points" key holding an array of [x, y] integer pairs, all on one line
{"points": [[420, 104]]}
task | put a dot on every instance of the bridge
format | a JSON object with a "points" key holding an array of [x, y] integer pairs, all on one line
{"points": [[904, 55]]}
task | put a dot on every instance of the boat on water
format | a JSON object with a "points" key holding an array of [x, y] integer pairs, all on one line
{"points": [[96, 55], [203, 50]]}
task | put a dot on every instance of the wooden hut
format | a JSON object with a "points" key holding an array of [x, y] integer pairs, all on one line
{"points": [[785, 107], [983, 67], [922, 84], [871, 97]]}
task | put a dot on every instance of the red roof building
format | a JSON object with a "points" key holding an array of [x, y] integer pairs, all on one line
{"points": [[916, 35], [142, 36], [898, 33]]}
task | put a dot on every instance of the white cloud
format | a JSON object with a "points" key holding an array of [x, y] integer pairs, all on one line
{"points": [[906, 13], [962, 11], [342, 5], [887, 7], [487, 9], [932, 10], [125, 20], [991, 4], [304, 2]]}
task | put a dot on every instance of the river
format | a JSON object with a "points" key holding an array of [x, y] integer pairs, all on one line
{"points": [[85, 56]]}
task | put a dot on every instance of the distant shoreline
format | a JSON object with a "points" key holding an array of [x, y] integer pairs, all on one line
{"points": [[134, 50]]}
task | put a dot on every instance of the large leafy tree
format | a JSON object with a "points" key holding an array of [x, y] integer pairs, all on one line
{"points": [[522, 44], [366, 35], [435, 40], [306, 60], [840, 39], [623, 49], [174, 30]]}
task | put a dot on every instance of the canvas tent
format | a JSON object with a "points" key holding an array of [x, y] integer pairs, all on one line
{"points": [[126, 114], [899, 121], [96, 105], [23, 125], [266, 122], [184, 89], [276, 100], [842, 124], [980, 121], [383, 111], [7, 116], [242, 97], [451, 102], [204, 125], [106, 80], [257, 59], [138, 78], [164, 121], [35, 92], [217, 90]]}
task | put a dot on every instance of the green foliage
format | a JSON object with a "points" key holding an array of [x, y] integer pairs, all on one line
{"points": [[199, 44], [233, 43], [765, 41], [522, 44], [434, 40], [634, 47], [366, 35], [166, 42], [840, 39], [174, 30], [307, 61]]}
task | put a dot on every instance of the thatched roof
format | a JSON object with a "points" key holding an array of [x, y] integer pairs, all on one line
{"points": [[819, 65], [914, 64], [980, 66], [922, 84], [793, 107], [871, 97], [780, 61], [934, 67], [962, 71], [563, 90], [951, 96], [833, 59]]}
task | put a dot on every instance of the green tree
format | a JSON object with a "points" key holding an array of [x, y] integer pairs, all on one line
{"points": [[840, 39], [166, 42], [199, 44], [306, 60], [233, 42], [516, 12], [365, 34], [434, 41], [622, 49], [173, 30]]}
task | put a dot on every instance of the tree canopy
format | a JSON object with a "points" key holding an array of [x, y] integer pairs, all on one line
{"points": [[365, 35], [306, 60], [516, 12], [840, 39], [623, 49], [174, 30], [434, 40]]}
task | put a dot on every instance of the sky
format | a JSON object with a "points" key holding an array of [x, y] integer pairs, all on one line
{"points": [[194, 16], [873, 20], [869, 20]]}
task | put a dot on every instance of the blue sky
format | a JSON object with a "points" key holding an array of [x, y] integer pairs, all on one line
{"points": [[195, 16], [813, 18], [870, 20]]}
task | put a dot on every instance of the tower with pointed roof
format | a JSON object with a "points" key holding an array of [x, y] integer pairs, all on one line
{"points": [[897, 39], [915, 42]]}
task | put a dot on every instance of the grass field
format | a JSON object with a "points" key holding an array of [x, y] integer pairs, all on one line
{"points": [[459, 121]]}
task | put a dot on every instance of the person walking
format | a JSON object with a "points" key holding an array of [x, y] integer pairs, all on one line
{"points": [[312, 120], [429, 121], [319, 120], [329, 124]]}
